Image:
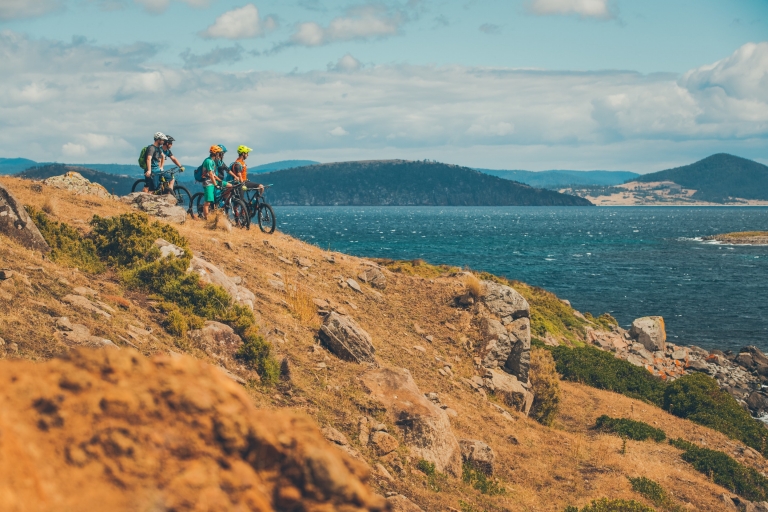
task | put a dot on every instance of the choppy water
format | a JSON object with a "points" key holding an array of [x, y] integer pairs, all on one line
{"points": [[630, 262]]}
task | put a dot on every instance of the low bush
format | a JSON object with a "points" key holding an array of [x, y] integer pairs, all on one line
{"points": [[602, 370], [655, 493], [606, 505], [545, 386], [725, 471], [128, 239], [698, 398], [435, 479], [256, 354], [68, 245], [473, 286], [630, 429], [480, 481]]}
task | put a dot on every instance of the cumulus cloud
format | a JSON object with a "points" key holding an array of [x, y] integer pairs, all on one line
{"points": [[241, 23], [346, 63], [452, 113], [16, 9], [366, 22], [226, 55], [583, 8]]}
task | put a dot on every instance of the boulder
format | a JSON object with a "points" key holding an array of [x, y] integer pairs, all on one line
{"points": [[161, 206], [510, 390], [216, 339], [17, 225], [399, 503], [650, 331], [75, 182], [505, 302], [346, 339], [384, 443], [753, 359], [478, 454], [497, 343], [758, 403], [424, 427], [374, 277]]}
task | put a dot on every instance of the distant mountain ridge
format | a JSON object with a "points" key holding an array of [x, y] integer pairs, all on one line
{"points": [[556, 179], [14, 165], [403, 183], [282, 164], [718, 178]]}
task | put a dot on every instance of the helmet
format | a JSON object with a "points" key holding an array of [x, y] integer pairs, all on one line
{"points": [[215, 149], [168, 138], [243, 149], [223, 148], [160, 136]]}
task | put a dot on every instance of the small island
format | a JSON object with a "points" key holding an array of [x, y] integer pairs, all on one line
{"points": [[741, 238]]}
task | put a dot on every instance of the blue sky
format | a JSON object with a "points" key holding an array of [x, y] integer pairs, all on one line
{"points": [[526, 84]]}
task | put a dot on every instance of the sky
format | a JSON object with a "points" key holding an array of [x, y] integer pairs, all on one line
{"points": [[514, 84]]}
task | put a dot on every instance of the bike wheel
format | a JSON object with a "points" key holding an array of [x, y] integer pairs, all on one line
{"points": [[251, 201], [139, 185], [266, 217], [183, 197], [238, 213], [198, 200]]}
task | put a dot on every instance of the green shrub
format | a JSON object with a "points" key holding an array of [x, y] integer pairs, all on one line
{"points": [[480, 481], [68, 245], [631, 429], [655, 493], [724, 470], [606, 505], [468, 507], [545, 386], [606, 321], [426, 467], [697, 397], [256, 354], [602, 370], [435, 479]]}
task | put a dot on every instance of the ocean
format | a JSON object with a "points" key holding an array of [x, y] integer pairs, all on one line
{"points": [[627, 261]]}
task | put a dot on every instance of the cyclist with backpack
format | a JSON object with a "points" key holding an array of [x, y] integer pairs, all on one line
{"points": [[167, 153], [151, 161], [208, 176], [239, 169]]}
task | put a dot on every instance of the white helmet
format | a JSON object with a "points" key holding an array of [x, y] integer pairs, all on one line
{"points": [[160, 136]]}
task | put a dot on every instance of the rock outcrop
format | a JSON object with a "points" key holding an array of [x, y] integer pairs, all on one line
{"points": [[216, 339], [16, 224], [160, 206], [478, 454], [423, 426], [75, 182], [346, 339], [650, 332], [509, 390], [113, 430], [375, 277]]}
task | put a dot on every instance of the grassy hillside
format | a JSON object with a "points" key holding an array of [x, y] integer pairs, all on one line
{"points": [[560, 179], [404, 183], [718, 178], [115, 184]]}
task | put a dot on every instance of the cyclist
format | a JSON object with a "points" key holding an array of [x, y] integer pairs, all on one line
{"points": [[167, 153], [239, 169], [223, 168], [210, 177], [154, 162]]}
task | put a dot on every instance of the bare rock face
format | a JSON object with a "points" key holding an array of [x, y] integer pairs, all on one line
{"points": [[425, 428], [160, 206], [510, 390], [505, 302], [346, 339], [374, 277], [478, 454], [75, 182], [650, 332], [216, 339], [17, 225], [399, 503], [384, 443]]}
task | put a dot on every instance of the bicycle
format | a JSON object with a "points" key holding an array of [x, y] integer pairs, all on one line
{"points": [[180, 192], [230, 200], [258, 207]]}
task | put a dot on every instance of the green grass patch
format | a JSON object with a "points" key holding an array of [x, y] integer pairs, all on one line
{"points": [[630, 429], [725, 471], [69, 246], [654, 493], [606, 505], [435, 480], [698, 398], [480, 481], [606, 321], [602, 370], [256, 354]]}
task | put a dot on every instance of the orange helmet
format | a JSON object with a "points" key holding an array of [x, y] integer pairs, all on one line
{"points": [[215, 149]]}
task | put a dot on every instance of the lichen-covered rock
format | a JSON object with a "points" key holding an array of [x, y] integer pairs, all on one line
{"points": [[75, 182], [161, 206], [505, 302], [424, 427], [16, 224], [650, 331], [216, 339], [478, 454], [345, 338], [511, 391]]}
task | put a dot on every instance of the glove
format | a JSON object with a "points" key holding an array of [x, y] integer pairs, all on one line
{"points": [[181, 169]]}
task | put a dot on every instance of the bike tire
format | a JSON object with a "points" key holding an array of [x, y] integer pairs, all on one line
{"points": [[238, 214], [252, 201], [139, 184], [198, 200], [266, 217], [183, 197]]}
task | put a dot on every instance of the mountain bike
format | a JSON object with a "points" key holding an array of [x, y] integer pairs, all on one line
{"points": [[259, 208], [180, 192], [230, 200]]}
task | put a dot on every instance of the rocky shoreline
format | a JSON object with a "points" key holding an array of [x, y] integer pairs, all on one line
{"points": [[740, 238]]}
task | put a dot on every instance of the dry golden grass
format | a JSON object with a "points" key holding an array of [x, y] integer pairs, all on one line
{"points": [[543, 468], [51, 206], [473, 286], [300, 302]]}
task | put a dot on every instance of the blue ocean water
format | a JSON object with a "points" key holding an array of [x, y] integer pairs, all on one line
{"points": [[628, 261]]}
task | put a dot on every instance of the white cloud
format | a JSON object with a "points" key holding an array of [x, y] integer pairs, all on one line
{"points": [[346, 63], [584, 8], [15, 9], [73, 150], [58, 95], [365, 22], [159, 6], [241, 23]]}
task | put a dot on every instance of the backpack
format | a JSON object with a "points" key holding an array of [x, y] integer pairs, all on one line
{"points": [[143, 158], [199, 174]]}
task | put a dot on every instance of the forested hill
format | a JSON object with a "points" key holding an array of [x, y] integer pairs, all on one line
{"points": [[404, 183], [115, 184], [718, 178]]}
